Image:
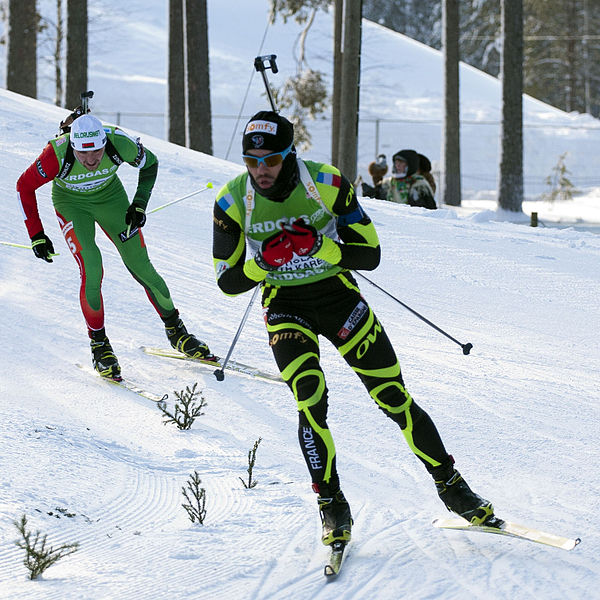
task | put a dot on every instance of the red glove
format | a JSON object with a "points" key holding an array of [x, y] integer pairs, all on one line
{"points": [[276, 250], [305, 239]]}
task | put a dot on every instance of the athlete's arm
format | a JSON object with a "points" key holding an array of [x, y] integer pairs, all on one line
{"points": [[133, 152], [234, 273], [360, 248], [41, 171]]}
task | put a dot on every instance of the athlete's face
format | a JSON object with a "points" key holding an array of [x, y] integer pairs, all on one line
{"points": [[90, 159], [264, 176]]}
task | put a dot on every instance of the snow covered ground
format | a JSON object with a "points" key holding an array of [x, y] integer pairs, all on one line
{"points": [[520, 414]]}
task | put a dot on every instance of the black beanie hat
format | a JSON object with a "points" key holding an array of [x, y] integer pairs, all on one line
{"points": [[411, 158], [266, 129]]}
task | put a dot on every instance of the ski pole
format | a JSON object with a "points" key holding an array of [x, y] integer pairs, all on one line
{"points": [[261, 64], [15, 245], [208, 186], [22, 246], [220, 373], [466, 348]]}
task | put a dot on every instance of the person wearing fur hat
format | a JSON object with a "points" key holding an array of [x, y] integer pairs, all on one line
{"points": [[295, 228], [82, 165], [406, 185]]}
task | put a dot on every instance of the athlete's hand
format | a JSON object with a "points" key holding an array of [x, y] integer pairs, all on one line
{"points": [[42, 246], [276, 250], [135, 215], [305, 239]]}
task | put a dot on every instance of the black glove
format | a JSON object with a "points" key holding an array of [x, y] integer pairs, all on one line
{"points": [[42, 246], [135, 215]]}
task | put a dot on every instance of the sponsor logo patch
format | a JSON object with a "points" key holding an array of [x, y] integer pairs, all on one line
{"points": [[258, 141], [261, 127], [41, 171], [352, 321]]}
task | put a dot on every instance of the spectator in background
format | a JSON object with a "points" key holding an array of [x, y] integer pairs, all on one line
{"points": [[377, 169], [406, 185], [425, 170]]}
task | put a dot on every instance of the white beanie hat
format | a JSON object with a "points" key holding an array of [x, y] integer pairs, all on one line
{"points": [[87, 133]]}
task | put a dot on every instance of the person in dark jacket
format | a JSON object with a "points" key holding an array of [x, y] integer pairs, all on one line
{"points": [[406, 185]]}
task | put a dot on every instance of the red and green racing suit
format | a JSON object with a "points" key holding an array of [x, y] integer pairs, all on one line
{"points": [[82, 198]]}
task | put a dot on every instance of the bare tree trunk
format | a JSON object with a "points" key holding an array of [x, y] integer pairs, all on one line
{"points": [[77, 52], [451, 176], [198, 78], [337, 80], [21, 60], [348, 143], [510, 185], [60, 31], [176, 108], [572, 31]]}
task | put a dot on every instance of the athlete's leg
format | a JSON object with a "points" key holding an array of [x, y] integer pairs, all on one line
{"points": [[295, 347], [110, 215], [359, 337], [363, 343], [78, 228]]}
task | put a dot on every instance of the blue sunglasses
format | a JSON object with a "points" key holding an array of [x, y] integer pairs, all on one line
{"points": [[270, 160]]}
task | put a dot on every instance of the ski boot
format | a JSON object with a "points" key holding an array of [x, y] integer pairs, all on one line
{"points": [[185, 342], [336, 518], [458, 497], [103, 358]]}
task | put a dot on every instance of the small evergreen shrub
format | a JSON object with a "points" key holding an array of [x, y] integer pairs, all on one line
{"points": [[251, 462], [39, 556], [187, 407], [195, 497]]}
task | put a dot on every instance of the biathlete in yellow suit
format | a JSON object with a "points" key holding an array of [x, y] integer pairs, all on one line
{"points": [[295, 227], [82, 166]]}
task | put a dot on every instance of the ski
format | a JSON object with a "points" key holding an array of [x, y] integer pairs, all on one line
{"points": [[125, 384], [232, 365], [336, 558], [500, 527]]}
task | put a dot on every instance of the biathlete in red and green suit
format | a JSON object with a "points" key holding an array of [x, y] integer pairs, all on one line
{"points": [[82, 165], [295, 227]]}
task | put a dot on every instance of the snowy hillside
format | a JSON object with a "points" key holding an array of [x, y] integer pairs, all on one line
{"points": [[520, 414], [401, 86]]}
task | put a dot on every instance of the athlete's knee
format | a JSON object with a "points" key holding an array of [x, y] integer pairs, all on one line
{"points": [[393, 399]]}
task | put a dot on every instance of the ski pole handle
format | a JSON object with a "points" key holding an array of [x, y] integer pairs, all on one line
{"points": [[84, 100], [261, 64]]}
